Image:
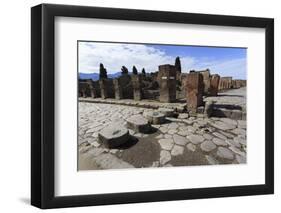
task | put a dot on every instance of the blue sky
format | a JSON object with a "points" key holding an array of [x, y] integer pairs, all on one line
{"points": [[224, 61]]}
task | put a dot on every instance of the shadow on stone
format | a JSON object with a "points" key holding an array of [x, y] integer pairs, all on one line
{"points": [[131, 142]]}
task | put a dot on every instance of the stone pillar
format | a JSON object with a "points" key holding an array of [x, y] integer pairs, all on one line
{"points": [[194, 91], [94, 88], [137, 90], [123, 87], [206, 80], [214, 84], [106, 88], [167, 83]]}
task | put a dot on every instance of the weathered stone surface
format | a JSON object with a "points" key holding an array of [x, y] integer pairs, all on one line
{"points": [[242, 124], [106, 88], [240, 140], [155, 117], [239, 131], [206, 80], [211, 160], [237, 151], [194, 90], [207, 146], [137, 87], [166, 143], [241, 159], [114, 135], [222, 126], [139, 124], [229, 121], [214, 85], [177, 150], [208, 136], [180, 140], [195, 139], [167, 81], [109, 161], [219, 142], [166, 111], [165, 157], [219, 135], [225, 153], [183, 116], [191, 147]]}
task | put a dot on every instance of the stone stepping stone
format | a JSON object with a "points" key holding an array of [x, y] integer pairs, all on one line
{"points": [[208, 136], [219, 142], [195, 139], [239, 131], [225, 153], [242, 124], [114, 135], [155, 117], [166, 111], [165, 157], [177, 150], [180, 140], [207, 146], [138, 123], [166, 143], [191, 147]]}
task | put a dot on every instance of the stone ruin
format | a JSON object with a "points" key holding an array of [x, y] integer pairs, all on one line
{"points": [[167, 84]]}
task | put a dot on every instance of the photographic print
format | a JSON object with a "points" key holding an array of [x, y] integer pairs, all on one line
{"points": [[160, 105]]}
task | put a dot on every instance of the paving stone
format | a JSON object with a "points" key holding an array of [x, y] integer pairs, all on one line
{"points": [[165, 157], [182, 133], [231, 142], [208, 136], [222, 126], [240, 140], [173, 126], [183, 116], [177, 150], [109, 161], [242, 124], [239, 131], [172, 131], [237, 151], [195, 139], [218, 135], [159, 136], [180, 140], [166, 144], [229, 121], [191, 147], [225, 153], [163, 129], [168, 136], [211, 160], [207, 146], [241, 159], [219, 142]]}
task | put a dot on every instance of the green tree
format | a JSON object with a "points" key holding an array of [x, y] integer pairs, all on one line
{"points": [[178, 64], [124, 70], [143, 71], [135, 71], [103, 72]]}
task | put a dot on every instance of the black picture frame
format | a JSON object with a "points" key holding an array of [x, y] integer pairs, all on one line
{"points": [[43, 102]]}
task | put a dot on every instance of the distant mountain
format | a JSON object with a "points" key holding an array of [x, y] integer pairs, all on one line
{"points": [[95, 76]]}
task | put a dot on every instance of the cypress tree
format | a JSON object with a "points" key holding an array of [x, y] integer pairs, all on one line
{"points": [[178, 64]]}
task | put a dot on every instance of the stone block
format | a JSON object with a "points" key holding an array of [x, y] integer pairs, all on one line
{"points": [[167, 82], [194, 91], [106, 88], [214, 85]]}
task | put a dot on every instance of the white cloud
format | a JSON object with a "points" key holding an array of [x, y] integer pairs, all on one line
{"points": [[115, 55]]}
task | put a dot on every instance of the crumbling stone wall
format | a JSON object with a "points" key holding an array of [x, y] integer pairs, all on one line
{"points": [[167, 83], [206, 80], [106, 88], [123, 87], [225, 83], [194, 91], [214, 85]]}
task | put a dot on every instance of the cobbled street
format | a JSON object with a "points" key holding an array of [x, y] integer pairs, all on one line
{"points": [[180, 141]]}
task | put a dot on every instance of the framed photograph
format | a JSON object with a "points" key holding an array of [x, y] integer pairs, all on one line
{"points": [[139, 106]]}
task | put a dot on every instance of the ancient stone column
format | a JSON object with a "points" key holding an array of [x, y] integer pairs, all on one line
{"points": [[106, 88], [206, 80], [167, 83], [214, 84], [194, 91], [137, 90]]}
